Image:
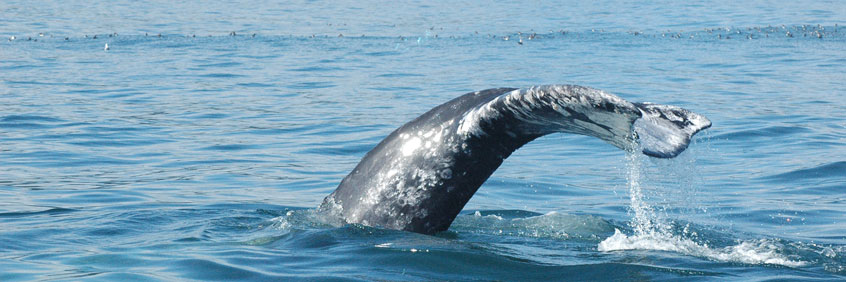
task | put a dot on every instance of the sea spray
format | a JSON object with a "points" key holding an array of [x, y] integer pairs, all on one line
{"points": [[652, 231], [645, 220]]}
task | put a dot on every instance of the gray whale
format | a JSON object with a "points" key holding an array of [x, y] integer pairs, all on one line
{"points": [[420, 177]]}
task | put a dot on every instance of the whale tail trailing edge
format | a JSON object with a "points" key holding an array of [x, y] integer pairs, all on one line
{"points": [[664, 131]]}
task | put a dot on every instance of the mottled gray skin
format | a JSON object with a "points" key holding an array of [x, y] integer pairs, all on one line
{"points": [[420, 177]]}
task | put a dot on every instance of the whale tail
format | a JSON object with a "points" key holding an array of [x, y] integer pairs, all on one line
{"points": [[421, 175], [664, 131], [661, 131]]}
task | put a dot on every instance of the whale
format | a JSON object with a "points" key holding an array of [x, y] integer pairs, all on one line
{"points": [[422, 174]]}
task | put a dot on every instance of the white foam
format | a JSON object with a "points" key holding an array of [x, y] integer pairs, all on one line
{"points": [[752, 252], [490, 216], [281, 222]]}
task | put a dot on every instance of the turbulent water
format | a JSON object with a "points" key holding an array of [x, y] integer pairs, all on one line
{"points": [[199, 143]]}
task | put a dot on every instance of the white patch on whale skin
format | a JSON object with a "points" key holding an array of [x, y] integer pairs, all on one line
{"points": [[428, 133], [407, 184], [469, 124], [410, 146], [524, 104]]}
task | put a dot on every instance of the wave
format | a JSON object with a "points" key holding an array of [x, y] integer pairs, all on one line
{"points": [[833, 169], [762, 251], [764, 133], [555, 238], [552, 241]]}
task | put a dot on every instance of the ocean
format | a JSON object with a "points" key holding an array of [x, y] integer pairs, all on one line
{"points": [[161, 141]]}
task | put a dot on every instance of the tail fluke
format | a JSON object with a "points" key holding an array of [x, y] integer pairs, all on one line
{"points": [[665, 131]]}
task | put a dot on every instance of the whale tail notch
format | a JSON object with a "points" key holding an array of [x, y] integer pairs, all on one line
{"points": [[664, 131]]}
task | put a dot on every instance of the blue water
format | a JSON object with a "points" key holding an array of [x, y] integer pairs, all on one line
{"points": [[187, 152]]}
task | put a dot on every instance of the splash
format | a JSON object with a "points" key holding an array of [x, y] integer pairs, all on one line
{"points": [[653, 232]]}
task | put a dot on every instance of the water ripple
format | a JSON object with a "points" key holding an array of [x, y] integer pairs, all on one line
{"points": [[835, 170], [198, 154]]}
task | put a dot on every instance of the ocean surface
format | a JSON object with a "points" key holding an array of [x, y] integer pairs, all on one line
{"points": [[198, 145]]}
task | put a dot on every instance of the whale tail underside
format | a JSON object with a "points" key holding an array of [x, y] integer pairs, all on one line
{"points": [[664, 131]]}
